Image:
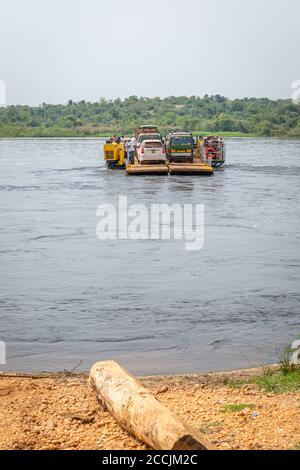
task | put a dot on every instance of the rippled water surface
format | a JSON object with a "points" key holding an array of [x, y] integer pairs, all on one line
{"points": [[66, 296]]}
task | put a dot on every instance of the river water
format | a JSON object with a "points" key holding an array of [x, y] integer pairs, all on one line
{"points": [[67, 297]]}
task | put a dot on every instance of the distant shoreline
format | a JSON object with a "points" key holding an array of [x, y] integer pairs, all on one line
{"points": [[216, 114], [65, 135], [225, 135]]}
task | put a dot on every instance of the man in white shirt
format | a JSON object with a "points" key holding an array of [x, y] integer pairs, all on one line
{"points": [[131, 149]]}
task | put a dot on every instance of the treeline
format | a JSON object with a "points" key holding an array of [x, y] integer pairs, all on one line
{"points": [[210, 114]]}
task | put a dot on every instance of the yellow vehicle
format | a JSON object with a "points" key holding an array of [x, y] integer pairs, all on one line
{"points": [[114, 155]]}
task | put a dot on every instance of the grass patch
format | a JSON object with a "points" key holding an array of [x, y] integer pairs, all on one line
{"points": [[236, 384], [209, 428], [295, 447], [237, 407], [284, 380], [286, 366]]}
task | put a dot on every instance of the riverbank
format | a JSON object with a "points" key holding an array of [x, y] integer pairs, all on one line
{"points": [[83, 132], [214, 114], [247, 409], [61, 134]]}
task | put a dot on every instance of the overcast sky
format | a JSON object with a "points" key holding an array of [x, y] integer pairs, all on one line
{"points": [[52, 51]]}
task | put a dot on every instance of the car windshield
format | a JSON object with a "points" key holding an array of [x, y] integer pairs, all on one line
{"points": [[150, 144], [181, 140], [148, 130], [149, 136]]}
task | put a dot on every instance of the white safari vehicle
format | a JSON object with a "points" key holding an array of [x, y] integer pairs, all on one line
{"points": [[151, 151]]}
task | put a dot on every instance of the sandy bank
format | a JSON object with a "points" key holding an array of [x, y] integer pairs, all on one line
{"points": [[61, 411]]}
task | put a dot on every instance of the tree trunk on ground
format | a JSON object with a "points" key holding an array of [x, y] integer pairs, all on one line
{"points": [[137, 411]]}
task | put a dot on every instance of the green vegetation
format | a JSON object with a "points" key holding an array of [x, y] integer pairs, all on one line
{"points": [[236, 384], [281, 380], [237, 407], [210, 428], [211, 114], [286, 366]]}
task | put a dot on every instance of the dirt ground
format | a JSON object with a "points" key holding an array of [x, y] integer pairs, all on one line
{"points": [[61, 411]]}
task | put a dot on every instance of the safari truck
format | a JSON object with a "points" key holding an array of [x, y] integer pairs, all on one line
{"points": [[143, 133], [146, 130], [150, 157], [180, 147]]}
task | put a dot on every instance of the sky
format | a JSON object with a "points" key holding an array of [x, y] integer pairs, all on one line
{"points": [[56, 50]]}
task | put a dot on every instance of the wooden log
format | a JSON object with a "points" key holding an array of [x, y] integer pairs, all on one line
{"points": [[137, 411]]}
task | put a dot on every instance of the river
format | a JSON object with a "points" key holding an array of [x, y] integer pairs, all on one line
{"points": [[67, 297]]}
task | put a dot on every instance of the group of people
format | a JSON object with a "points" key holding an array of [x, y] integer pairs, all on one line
{"points": [[115, 140], [213, 140]]}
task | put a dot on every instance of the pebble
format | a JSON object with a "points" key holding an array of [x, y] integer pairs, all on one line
{"points": [[162, 390]]}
